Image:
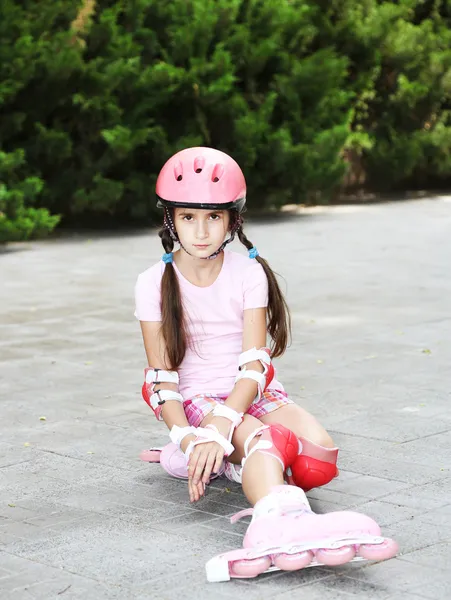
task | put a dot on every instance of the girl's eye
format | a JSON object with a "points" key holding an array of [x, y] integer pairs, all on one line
{"points": [[187, 217], [215, 217]]}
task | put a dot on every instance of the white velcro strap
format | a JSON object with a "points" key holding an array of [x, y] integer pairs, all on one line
{"points": [[161, 376], [209, 434], [178, 433], [159, 398], [221, 410], [255, 375], [254, 354], [262, 445]]}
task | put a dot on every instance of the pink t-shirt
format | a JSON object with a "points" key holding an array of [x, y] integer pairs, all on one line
{"points": [[215, 320]]}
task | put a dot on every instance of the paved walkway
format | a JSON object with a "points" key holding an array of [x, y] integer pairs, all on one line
{"points": [[82, 518]]}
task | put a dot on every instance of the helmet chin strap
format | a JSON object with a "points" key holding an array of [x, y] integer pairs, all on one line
{"points": [[169, 224]]}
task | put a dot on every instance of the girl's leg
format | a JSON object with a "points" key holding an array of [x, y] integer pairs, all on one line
{"points": [[263, 471], [284, 532], [316, 465], [301, 423]]}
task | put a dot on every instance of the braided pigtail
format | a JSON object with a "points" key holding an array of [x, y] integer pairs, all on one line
{"points": [[172, 317], [279, 319]]}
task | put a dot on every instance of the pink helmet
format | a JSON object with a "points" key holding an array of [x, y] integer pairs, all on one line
{"points": [[201, 178]]}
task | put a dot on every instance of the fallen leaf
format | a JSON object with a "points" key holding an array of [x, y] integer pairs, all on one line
{"points": [[319, 361], [88, 362], [426, 351], [89, 452], [12, 505], [42, 418], [27, 444]]}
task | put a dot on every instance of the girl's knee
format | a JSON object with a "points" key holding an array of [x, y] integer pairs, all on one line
{"points": [[301, 423], [324, 440]]}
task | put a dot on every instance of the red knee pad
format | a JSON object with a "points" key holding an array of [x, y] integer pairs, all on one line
{"points": [[314, 467], [285, 442]]}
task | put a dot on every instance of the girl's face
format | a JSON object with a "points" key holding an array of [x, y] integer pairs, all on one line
{"points": [[201, 231]]}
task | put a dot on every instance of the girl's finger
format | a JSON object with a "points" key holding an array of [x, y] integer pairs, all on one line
{"points": [[196, 491], [200, 466], [192, 463], [209, 464], [218, 462], [201, 489]]}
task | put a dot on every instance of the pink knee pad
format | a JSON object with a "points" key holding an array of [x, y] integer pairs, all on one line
{"points": [[314, 466]]}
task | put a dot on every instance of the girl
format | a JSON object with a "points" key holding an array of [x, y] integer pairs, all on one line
{"points": [[205, 315]]}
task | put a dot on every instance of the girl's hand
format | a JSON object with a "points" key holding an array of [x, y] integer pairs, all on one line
{"points": [[205, 459], [195, 491]]}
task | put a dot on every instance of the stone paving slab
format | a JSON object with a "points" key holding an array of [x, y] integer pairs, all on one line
{"points": [[82, 518]]}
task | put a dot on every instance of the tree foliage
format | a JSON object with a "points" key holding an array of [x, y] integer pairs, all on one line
{"points": [[307, 95]]}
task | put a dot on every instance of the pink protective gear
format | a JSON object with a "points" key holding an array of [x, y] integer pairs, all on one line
{"points": [[263, 379], [235, 418], [314, 466], [206, 434], [156, 399], [285, 534], [201, 178]]}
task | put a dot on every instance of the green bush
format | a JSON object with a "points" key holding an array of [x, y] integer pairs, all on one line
{"points": [[18, 219], [35, 55], [407, 112], [309, 96]]}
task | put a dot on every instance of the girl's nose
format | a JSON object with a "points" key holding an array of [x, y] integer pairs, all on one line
{"points": [[202, 230]]}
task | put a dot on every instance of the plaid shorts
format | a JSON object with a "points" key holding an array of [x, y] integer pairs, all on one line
{"points": [[198, 407]]}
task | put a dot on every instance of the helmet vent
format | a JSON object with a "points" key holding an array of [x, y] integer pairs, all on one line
{"points": [[178, 171], [199, 163], [217, 173]]}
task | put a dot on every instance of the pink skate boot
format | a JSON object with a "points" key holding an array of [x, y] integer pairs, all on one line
{"points": [[170, 457], [285, 534], [173, 461]]}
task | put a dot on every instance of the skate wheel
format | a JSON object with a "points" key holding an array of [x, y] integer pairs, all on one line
{"points": [[335, 557], [293, 562], [387, 549], [250, 568]]}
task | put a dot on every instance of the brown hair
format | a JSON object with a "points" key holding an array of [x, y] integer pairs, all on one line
{"points": [[173, 326]]}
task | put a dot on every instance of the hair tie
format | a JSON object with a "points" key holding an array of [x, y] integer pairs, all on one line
{"points": [[253, 252], [168, 257]]}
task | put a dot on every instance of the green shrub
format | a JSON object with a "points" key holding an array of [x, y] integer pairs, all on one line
{"points": [[307, 96]]}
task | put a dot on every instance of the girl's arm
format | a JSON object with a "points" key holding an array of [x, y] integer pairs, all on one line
{"points": [[254, 336], [245, 390], [172, 410]]}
